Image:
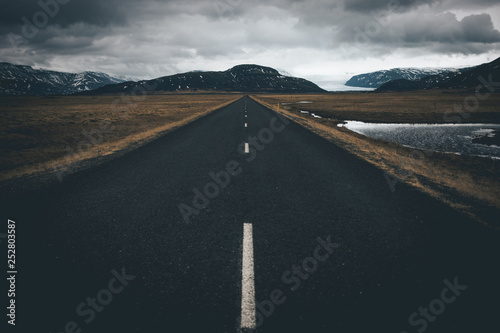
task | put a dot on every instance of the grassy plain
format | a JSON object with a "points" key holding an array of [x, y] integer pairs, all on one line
{"points": [[426, 106], [470, 184], [41, 134]]}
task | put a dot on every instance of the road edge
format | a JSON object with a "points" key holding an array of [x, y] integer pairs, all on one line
{"points": [[483, 213], [40, 179]]}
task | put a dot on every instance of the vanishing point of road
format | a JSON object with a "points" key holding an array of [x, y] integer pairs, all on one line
{"points": [[245, 219]]}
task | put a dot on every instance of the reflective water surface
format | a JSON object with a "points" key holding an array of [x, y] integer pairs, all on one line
{"points": [[453, 138]]}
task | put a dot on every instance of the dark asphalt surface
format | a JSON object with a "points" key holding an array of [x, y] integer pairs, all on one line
{"points": [[393, 250]]}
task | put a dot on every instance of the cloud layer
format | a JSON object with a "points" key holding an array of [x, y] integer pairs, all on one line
{"points": [[155, 37]]}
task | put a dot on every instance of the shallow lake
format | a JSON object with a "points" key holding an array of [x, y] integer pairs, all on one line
{"points": [[465, 139]]}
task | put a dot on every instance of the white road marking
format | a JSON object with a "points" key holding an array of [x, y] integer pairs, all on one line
{"points": [[247, 280], [246, 125], [246, 116], [247, 148]]}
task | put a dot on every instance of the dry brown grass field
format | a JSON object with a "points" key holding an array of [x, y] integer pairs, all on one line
{"points": [[434, 106], [470, 184], [41, 134]]}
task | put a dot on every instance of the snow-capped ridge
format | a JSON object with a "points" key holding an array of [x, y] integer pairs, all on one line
{"points": [[378, 78], [25, 80]]}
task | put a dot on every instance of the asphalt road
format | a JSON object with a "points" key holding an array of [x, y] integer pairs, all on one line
{"points": [[110, 249]]}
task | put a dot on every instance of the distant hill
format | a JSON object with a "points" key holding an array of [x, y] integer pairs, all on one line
{"points": [[24, 80], [378, 78], [466, 78], [244, 78]]}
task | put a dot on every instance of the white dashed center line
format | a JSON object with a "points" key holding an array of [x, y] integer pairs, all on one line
{"points": [[246, 125], [247, 280], [247, 148]]}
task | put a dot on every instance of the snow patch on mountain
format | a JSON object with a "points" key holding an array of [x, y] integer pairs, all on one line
{"points": [[378, 78], [24, 80]]}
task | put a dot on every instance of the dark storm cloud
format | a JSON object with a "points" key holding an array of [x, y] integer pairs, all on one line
{"points": [[367, 6], [446, 28], [93, 12], [151, 32], [412, 30], [88, 14], [479, 28], [465, 4], [338, 15]]}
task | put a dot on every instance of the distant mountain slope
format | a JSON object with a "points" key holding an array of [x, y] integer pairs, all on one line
{"points": [[378, 78], [245, 78], [24, 80], [470, 79], [467, 78]]}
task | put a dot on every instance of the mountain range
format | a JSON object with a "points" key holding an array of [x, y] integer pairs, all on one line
{"points": [[378, 78], [24, 80], [243, 78], [466, 78]]}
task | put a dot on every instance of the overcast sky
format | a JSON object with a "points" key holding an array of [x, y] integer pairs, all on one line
{"points": [[317, 39]]}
